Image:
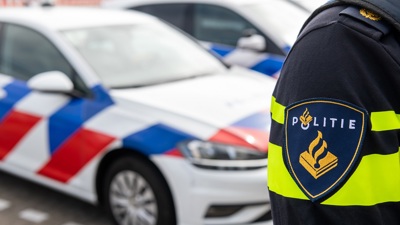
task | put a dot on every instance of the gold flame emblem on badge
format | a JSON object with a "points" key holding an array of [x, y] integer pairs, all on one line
{"points": [[370, 15], [318, 161], [306, 118]]}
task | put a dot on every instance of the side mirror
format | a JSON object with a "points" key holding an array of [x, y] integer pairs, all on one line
{"points": [[253, 42], [52, 81]]}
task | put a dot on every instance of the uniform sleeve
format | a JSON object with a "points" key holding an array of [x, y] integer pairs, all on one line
{"points": [[322, 167], [346, 61], [339, 62]]}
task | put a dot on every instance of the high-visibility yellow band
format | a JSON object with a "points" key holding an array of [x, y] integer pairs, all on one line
{"points": [[381, 121], [386, 120], [375, 180], [277, 111], [279, 179]]}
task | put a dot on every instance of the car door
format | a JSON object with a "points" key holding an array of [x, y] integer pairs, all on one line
{"points": [[220, 29], [40, 132], [223, 28]]}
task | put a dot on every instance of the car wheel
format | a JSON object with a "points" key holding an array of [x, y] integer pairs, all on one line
{"points": [[135, 193]]}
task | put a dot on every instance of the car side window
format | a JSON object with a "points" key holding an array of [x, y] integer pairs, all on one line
{"points": [[176, 14], [25, 53], [219, 25]]}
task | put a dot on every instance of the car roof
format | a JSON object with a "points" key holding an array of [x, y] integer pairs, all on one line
{"points": [[60, 18], [127, 3], [309, 5]]}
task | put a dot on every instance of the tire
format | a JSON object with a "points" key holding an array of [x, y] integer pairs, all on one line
{"points": [[135, 193]]}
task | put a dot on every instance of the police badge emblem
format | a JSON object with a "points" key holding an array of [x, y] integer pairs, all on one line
{"points": [[323, 139], [370, 15]]}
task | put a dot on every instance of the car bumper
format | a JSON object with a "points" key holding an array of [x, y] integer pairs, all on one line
{"points": [[216, 197]]}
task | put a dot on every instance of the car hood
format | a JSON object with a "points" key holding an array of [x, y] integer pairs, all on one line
{"points": [[234, 103]]}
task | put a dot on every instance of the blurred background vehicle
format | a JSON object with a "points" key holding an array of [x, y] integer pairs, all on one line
{"points": [[309, 5], [256, 34], [19, 3], [119, 109]]}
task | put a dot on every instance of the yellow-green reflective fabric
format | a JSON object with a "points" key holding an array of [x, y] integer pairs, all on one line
{"points": [[381, 121], [277, 111], [376, 180], [386, 120], [279, 179]]}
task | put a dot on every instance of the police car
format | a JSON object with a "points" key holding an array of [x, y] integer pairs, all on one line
{"points": [[256, 34], [309, 5], [120, 109]]}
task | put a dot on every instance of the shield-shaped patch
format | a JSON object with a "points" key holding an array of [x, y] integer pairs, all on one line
{"points": [[323, 139]]}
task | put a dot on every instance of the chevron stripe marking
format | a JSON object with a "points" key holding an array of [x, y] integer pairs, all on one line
{"points": [[13, 128], [74, 154]]}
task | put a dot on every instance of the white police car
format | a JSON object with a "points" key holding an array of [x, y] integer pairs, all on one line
{"points": [[256, 34], [119, 109], [309, 5]]}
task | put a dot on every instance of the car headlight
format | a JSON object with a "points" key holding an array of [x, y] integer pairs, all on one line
{"points": [[212, 155]]}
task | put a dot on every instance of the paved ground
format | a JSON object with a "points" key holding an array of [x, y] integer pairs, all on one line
{"points": [[25, 203]]}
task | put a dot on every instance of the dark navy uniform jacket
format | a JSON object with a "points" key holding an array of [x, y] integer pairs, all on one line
{"points": [[334, 146]]}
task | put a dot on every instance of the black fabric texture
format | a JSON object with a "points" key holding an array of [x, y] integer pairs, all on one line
{"points": [[339, 57], [380, 214]]}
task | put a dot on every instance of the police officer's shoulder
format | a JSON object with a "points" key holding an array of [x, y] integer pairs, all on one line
{"points": [[365, 21], [354, 17], [322, 17]]}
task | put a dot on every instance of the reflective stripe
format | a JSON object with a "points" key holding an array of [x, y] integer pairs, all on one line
{"points": [[279, 179], [14, 126], [381, 170], [68, 160], [277, 111], [383, 121]]}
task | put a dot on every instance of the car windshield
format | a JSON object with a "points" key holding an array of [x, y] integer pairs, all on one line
{"points": [[139, 55], [283, 17]]}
